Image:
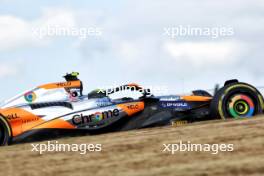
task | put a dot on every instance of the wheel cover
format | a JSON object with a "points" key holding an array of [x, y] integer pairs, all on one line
{"points": [[241, 105]]}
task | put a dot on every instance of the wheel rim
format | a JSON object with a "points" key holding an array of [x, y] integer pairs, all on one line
{"points": [[241, 105]]}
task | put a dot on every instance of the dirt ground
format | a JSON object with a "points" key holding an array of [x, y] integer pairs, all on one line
{"points": [[140, 153]]}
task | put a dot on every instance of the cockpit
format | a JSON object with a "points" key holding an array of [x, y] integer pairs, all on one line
{"points": [[72, 91]]}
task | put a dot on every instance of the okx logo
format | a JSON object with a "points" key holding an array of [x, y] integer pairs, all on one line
{"points": [[79, 119]]}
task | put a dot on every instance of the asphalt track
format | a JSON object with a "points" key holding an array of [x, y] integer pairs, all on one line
{"points": [[140, 153]]}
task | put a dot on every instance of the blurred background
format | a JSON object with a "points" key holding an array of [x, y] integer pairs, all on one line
{"points": [[130, 44]]}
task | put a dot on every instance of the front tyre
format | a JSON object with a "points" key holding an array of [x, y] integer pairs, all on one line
{"points": [[237, 100], [5, 132]]}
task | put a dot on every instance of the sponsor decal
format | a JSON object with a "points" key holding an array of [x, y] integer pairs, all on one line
{"points": [[30, 96], [12, 116], [30, 120], [63, 84], [133, 106], [175, 104], [79, 119], [170, 98], [103, 102], [179, 123]]}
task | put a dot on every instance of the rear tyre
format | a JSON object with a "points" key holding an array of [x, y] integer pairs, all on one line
{"points": [[5, 132], [237, 100]]}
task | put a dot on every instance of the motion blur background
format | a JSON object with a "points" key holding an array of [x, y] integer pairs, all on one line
{"points": [[132, 47]]}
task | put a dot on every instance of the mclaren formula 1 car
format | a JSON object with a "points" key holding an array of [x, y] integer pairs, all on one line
{"points": [[56, 107]]}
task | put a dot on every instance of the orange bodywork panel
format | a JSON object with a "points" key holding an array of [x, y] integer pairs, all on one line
{"points": [[20, 120], [57, 123], [132, 108], [196, 98], [69, 84]]}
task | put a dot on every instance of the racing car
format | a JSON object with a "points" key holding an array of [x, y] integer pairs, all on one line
{"points": [[58, 107]]}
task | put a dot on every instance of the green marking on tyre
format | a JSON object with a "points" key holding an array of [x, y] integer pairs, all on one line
{"points": [[233, 113]]}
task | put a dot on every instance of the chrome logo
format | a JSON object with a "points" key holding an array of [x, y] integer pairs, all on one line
{"points": [[30, 97], [98, 116], [79, 119]]}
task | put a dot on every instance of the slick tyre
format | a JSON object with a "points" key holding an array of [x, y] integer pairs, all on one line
{"points": [[236, 100], [5, 132]]}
